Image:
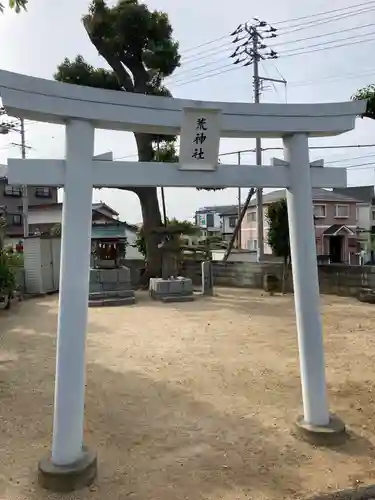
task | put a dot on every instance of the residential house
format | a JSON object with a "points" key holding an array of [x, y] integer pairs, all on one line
{"points": [[11, 202], [335, 220], [229, 220], [105, 223], [43, 217], [211, 222], [365, 214]]}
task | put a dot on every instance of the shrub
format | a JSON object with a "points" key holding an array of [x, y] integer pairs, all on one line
{"points": [[8, 283]]}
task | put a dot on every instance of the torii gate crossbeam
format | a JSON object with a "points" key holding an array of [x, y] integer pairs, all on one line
{"points": [[84, 109]]}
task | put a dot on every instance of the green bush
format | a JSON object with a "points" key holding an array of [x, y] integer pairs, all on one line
{"points": [[8, 282]]}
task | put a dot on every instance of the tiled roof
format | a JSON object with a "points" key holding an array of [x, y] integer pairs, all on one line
{"points": [[363, 193]]}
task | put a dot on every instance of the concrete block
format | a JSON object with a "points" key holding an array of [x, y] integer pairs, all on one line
{"points": [[65, 479], [170, 289], [94, 286]]}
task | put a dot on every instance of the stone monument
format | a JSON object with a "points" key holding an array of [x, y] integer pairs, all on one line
{"points": [[110, 283], [170, 287]]}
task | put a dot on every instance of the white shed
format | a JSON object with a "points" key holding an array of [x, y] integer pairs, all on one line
{"points": [[42, 264]]}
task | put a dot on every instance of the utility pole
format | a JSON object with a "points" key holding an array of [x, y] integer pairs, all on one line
{"points": [[250, 50], [161, 188], [5, 128], [239, 236], [25, 200], [258, 153]]}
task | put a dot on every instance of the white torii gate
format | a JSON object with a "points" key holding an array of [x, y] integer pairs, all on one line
{"points": [[84, 109]]}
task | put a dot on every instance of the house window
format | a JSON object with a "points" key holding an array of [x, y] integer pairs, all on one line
{"points": [[319, 211], [373, 215], [232, 221], [252, 244], [342, 211], [10, 190], [251, 216], [210, 220], [43, 192], [14, 219]]}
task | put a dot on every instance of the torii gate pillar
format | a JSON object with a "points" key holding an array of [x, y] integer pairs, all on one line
{"points": [[316, 424], [68, 453]]}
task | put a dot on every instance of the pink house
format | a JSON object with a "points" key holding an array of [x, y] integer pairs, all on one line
{"points": [[335, 218]]}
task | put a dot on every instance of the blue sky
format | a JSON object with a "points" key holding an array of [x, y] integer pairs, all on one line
{"points": [[36, 42]]}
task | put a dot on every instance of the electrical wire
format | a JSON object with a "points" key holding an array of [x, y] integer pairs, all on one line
{"points": [[190, 52], [223, 57], [278, 23], [330, 19], [323, 44], [228, 67]]}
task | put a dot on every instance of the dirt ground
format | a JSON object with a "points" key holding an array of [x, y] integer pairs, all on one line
{"points": [[190, 401]]}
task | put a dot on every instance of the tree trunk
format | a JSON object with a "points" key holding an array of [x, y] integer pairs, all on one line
{"points": [[151, 219], [151, 215]]}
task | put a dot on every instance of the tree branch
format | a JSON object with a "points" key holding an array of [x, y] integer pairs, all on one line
{"points": [[121, 73]]}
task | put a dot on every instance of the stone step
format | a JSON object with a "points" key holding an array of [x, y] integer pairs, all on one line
{"points": [[113, 302], [111, 294], [167, 299]]}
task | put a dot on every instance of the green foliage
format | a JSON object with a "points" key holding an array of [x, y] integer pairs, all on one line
{"points": [[140, 242], [17, 5], [7, 273], [167, 152], [15, 259], [139, 38], [184, 227], [55, 231], [2, 230], [79, 72], [368, 94], [278, 234]]}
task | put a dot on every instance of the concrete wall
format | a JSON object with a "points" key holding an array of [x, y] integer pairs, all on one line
{"points": [[334, 279]]}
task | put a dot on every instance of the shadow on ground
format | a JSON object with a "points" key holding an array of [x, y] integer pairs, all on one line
{"points": [[154, 439]]}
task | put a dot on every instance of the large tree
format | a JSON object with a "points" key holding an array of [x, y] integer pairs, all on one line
{"points": [[17, 5], [138, 46], [368, 94]]}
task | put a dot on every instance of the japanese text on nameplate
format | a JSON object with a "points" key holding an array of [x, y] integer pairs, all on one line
{"points": [[200, 138]]}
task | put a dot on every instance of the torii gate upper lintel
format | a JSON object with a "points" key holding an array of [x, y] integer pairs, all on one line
{"points": [[84, 109]]}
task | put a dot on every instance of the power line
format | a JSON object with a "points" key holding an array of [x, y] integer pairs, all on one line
{"points": [[287, 22], [329, 78], [323, 44], [314, 37], [328, 20], [223, 57], [226, 68], [323, 13], [328, 48]]}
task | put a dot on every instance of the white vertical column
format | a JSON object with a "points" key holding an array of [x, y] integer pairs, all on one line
{"points": [[305, 280], [73, 300]]}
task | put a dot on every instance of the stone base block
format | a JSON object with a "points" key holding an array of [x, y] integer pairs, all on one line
{"points": [[177, 298], [112, 294], [171, 290], [110, 287], [103, 280], [322, 435], [112, 302], [367, 295], [67, 478]]}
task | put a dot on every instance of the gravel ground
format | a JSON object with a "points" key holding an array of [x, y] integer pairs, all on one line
{"points": [[190, 401]]}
